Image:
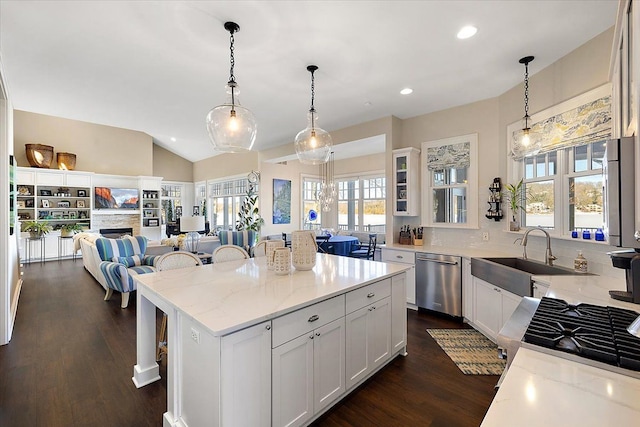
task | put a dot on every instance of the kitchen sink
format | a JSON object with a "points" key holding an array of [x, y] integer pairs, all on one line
{"points": [[514, 274]]}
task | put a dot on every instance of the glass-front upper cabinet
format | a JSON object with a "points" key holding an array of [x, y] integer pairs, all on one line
{"points": [[406, 194], [450, 182], [171, 196]]}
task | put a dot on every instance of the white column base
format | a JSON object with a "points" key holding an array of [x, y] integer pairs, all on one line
{"points": [[142, 377]]}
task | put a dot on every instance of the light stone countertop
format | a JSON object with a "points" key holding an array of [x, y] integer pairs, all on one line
{"points": [[464, 252], [229, 296], [542, 390]]}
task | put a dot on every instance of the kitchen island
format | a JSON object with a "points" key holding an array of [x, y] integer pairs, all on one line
{"points": [[542, 389], [249, 347]]}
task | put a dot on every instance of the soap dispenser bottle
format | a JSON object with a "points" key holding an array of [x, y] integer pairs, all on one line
{"points": [[580, 263]]}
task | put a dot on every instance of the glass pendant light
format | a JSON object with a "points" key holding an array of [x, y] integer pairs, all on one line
{"points": [[232, 128], [327, 194], [526, 144], [313, 144]]}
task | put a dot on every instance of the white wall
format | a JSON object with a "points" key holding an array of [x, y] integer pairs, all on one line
{"points": [[10, 281]]}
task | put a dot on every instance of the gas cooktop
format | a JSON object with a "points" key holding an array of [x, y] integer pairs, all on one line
{"points": [[586, 333]]}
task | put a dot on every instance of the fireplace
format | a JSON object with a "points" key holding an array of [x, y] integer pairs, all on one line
{"points": [[116, 233]]}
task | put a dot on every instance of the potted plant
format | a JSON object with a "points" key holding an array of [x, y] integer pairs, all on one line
{"points": [[249, 217], [515, 197], [69, 230], [36, 229]]}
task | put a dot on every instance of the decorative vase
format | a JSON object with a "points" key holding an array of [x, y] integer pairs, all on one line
{"points": [[282, 261], [304, 249], [272, 245], [39, 155], [514, 226], [66, 161]]}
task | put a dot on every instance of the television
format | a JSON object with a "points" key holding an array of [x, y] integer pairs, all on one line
{"points": [[116, 198]]}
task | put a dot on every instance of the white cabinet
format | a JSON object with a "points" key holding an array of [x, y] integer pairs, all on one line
{"points": [[245, 385], [404, 257], [406, 195], [539, 289], [368, 330], [150, 221], [308, 370], [227, 380], [398, 314], [492, 307]]}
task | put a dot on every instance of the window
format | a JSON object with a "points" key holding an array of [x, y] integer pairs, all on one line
{"points": [[450, 182], [361, 203], [569, 178], [310, 189], [226, 198]]}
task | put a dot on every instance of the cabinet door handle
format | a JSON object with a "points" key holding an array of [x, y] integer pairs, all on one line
{"points": [[268, 327], [317, 334], [371, 308], [314, 318], [496, 289], [371, 295], [399, 256], [311, 336]]}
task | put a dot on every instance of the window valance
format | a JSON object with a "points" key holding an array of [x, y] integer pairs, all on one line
{"points": [[449, 156], [584, 124]]}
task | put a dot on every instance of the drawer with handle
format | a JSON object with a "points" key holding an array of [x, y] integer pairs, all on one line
{"points": [[404, 257], [368, 294], [292, 325]]}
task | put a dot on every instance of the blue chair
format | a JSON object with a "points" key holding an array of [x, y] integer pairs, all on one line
{"points": [[246, 239], [368, 251], [120, 260]]}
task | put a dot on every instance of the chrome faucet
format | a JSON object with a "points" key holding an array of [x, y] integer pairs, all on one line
{"points": [[548, 258]]}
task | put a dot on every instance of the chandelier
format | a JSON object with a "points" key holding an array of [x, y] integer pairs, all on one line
{"points": [[232, 128], [327, 193], [313, 144], [524, 144]]}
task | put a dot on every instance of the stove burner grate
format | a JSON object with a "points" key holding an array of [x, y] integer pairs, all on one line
{"points": [[590, 331]]}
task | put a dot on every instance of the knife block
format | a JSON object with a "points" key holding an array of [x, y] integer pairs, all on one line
{"points": [[405, 238]]}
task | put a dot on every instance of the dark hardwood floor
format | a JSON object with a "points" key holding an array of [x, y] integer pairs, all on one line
{"points": [[71, 360]]}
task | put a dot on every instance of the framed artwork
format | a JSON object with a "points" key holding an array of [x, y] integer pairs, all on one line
{"points": [[73, 215], [153, 223], [80, 204], [178, 211], [29, 203], [82, 193], [21, 204], [45, 204], [45, 192], [196, 211], [281, 201], [64, 204]]}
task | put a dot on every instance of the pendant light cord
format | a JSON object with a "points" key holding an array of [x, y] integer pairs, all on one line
{"points": [[312, 110], [232, 78], [526, 95]]}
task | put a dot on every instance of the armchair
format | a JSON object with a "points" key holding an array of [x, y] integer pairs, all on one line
{"points": [[120, 259], [246, 239]]}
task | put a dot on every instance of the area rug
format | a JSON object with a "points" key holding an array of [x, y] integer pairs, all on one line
{"points": [[472, 352]]}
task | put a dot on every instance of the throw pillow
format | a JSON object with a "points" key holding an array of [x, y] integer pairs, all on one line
{"points": [[128, 261]]}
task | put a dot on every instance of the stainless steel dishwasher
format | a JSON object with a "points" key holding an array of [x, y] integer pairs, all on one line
{"points": [[439, 283]]}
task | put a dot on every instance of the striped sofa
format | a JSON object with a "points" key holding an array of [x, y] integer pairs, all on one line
{"points": [[120, 259], [246, 239]]}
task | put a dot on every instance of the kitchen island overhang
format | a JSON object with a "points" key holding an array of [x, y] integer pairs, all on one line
{"points": [[209, 305]]}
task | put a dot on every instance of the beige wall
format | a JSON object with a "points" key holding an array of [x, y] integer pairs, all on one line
{"points": [[294, 171], [170, 166], [225, 165], [98, 148]]}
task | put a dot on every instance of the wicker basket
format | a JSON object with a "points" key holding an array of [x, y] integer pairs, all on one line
{"points": [[66, 161], [38, 155]]}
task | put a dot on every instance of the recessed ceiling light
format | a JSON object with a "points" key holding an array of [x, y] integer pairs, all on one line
{"points": [[173, 139], [406, 91], [466, 32]]}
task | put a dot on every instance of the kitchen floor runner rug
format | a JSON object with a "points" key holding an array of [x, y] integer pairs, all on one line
{"points": [[472, 352]]}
